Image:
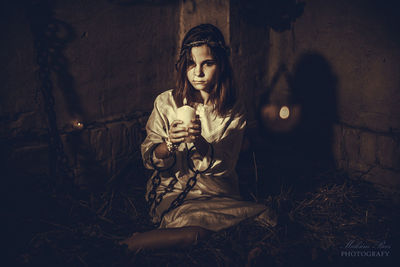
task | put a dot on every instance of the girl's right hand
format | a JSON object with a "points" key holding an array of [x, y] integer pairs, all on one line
{"points": [[177, 133]]}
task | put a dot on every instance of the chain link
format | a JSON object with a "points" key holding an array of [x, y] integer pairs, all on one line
{"points": [[181, 197], [156, 181], [152, 197], [168, 189], [153, 193], [44, 29]]}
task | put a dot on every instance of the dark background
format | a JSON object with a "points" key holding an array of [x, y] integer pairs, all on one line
{"points": [[102, 63]]}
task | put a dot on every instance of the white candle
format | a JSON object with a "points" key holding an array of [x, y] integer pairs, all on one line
{"points": [[186, 114]]}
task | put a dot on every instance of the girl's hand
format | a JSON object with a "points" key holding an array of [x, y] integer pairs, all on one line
{"points": [[194, 129], [177, 133]]}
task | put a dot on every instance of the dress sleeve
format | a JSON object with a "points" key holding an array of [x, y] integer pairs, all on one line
{"points": [[223, 153], [157, 131]]}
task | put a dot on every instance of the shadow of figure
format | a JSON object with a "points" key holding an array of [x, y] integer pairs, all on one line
{"points": [[295, 153], [313, 86]]}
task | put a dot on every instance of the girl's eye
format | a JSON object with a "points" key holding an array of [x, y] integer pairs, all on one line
{"points": [[210, 63]]}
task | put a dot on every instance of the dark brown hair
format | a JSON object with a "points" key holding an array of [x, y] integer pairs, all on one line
{"points": [[223, 94]]}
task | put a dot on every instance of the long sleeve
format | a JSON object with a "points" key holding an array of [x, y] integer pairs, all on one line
{"points": [[157, 131], [225, 148], [214, 202]]}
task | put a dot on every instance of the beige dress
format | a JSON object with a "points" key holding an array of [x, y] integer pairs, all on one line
{"points": [[214, 202]]}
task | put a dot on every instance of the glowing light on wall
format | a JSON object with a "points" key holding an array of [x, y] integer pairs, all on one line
{"points": [[77, 125], [284, 112]]}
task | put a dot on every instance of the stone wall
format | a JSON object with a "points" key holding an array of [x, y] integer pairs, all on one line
{"points": [[359, 42], [109, 59], [105, 61]]}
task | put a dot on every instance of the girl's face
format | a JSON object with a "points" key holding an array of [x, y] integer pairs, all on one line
{"points": [[202, 68]]}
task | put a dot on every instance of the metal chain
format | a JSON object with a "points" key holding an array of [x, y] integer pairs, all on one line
{"points": [[153, 193], [152, 196], [46, 42], [156, 181], [168, 189], [182, 196]]}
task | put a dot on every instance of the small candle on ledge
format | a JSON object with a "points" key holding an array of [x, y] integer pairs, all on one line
{"points": [[77, 125]]}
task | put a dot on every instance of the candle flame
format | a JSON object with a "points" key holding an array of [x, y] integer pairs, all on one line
{"points": [[77, 125]]}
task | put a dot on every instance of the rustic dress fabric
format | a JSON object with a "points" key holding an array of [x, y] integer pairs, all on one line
{"points": [[214, 202]]}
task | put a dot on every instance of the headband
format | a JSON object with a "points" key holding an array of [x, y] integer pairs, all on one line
{"points": [[202, 42]]}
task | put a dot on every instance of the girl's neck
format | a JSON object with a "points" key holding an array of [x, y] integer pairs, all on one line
{"points": [[204, 96]]}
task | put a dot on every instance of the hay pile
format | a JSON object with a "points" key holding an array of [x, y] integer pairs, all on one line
{"points": [[80, 229]]}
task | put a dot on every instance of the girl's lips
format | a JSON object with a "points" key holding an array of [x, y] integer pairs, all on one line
{"points": [[198, 81]]}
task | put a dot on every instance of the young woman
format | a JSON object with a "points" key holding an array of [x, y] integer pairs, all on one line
{"points": [[194, 188]]}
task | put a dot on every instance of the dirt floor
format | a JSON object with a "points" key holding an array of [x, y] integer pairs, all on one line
{"points": [[327, 226]]}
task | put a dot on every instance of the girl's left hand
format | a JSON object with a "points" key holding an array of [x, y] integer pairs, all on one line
{"points": [[194, 128]]}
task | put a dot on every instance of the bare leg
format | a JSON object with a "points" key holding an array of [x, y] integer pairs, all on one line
{"points": [[166, 238]]}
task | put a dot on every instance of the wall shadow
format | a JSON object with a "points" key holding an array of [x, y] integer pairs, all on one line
{"points": [[299, 157], [314, 87]]}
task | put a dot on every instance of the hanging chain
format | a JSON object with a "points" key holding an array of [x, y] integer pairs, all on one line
{"points": [[168, 189], [181, 197], [45, 30], [152, 196], [156, 181]]}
